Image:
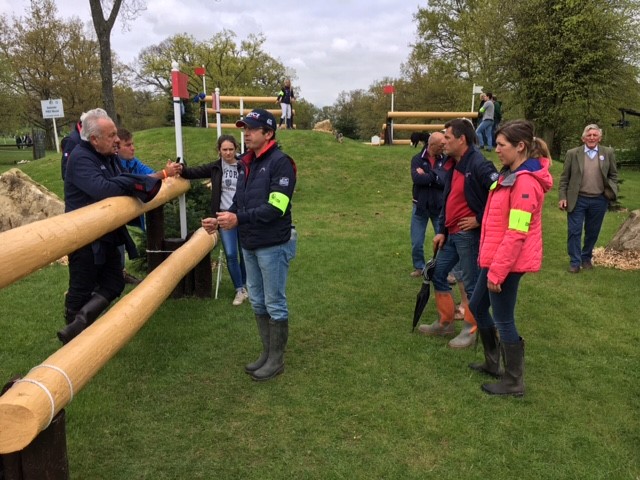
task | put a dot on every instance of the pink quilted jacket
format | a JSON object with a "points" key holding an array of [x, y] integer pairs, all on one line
{"points": [[511, 235]]}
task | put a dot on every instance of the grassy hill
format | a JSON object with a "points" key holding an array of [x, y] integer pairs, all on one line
{"points": [[361, 397]]}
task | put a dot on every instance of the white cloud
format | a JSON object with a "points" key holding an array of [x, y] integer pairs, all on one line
{"points": [[333, 45]]}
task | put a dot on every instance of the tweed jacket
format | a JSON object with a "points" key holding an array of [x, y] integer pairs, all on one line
{"points": [[571, 177]]}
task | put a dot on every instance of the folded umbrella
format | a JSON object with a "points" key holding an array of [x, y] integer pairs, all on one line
{"points": [[425, 290]]}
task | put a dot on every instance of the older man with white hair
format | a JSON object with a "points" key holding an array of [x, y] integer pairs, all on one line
{"points": [[589, 181]]}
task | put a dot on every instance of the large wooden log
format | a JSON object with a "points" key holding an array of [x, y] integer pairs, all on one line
{"points": [[28, 407], [238, 112], [416, 127], [237, 98], [432, 115], [27, 248]]}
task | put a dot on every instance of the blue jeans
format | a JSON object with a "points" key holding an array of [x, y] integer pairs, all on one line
{"points": [[485, 129], [418, 230], [267, 270], [460, 247], [588, 213], [235, 262], [502, 304]]}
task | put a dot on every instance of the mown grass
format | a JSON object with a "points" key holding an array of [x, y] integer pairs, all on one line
{"points": [[361, 397]]}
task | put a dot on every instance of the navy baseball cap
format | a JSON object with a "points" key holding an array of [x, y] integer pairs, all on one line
{"points": [[257, 118]]}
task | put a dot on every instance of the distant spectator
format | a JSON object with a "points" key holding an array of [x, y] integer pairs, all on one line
{"points": [[286, 98], [485, 129], [68, 143]]}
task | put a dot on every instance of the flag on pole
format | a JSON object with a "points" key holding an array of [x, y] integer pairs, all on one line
{"points": [[179, 83], [200, 71], [389, 89]]}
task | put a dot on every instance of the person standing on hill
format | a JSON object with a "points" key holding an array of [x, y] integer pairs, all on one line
{"points": [[485, 129], [589, 181], [286, 98], [261, 210]]}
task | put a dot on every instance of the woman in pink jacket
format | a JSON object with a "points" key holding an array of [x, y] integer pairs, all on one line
{"points": [[510, 246]]}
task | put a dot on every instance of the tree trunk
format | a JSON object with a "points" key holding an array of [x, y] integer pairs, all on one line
{"points": [[103, 31], [106, 72]]}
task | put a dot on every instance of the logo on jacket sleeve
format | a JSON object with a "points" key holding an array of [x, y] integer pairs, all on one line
{"points": [[283, 182]]}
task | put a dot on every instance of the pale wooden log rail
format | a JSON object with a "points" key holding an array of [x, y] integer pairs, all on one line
{"points": [[27, 248], [28, 407]]}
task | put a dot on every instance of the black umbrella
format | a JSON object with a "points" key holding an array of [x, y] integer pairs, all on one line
{"points": [[423, 295]]}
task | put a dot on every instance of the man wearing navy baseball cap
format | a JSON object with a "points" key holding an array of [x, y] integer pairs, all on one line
{"points": [[258, 118], [261, 210]]}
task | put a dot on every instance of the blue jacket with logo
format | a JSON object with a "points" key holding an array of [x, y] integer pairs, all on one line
{"points": [[263, 198], [428, 187]]}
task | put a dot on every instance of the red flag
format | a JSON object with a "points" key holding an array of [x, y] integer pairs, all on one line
{"points": [[179, 83], [199, 71], [388, 89]]}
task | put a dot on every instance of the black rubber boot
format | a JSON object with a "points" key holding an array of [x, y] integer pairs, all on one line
{"points": [[69, 316], [263, 329], [512, 381], [85, 317], [491, 364], [278, 335]]}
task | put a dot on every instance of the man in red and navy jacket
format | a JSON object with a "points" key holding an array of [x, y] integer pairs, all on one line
{"points": [[458, 237]]}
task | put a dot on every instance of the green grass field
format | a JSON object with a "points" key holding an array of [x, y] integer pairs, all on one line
{"points": [[361, 397]]}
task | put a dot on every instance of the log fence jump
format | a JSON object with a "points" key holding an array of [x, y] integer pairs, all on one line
{"points": [[30, 405], [242, 102], [389, 127]]}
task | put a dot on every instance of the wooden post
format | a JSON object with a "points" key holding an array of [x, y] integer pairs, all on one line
{"points": [[155, 237], [31, 404], [43, 459]]}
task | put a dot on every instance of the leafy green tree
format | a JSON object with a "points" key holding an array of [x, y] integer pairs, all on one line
{"points": [[559, 63], [45, 57], [242, 68], [572, 62]]}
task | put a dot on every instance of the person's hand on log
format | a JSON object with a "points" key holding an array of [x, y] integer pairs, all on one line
{"points": [[210, 224], [172, 168]]}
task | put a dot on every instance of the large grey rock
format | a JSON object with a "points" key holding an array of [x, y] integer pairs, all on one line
{"points": [[23, 201], [628, 236]]}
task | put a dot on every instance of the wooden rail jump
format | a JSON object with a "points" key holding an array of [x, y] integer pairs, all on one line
{"points": [[389, 127], [30, 405]]}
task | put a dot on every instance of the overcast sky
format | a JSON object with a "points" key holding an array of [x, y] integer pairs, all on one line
{"points": [[333, 45]]}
